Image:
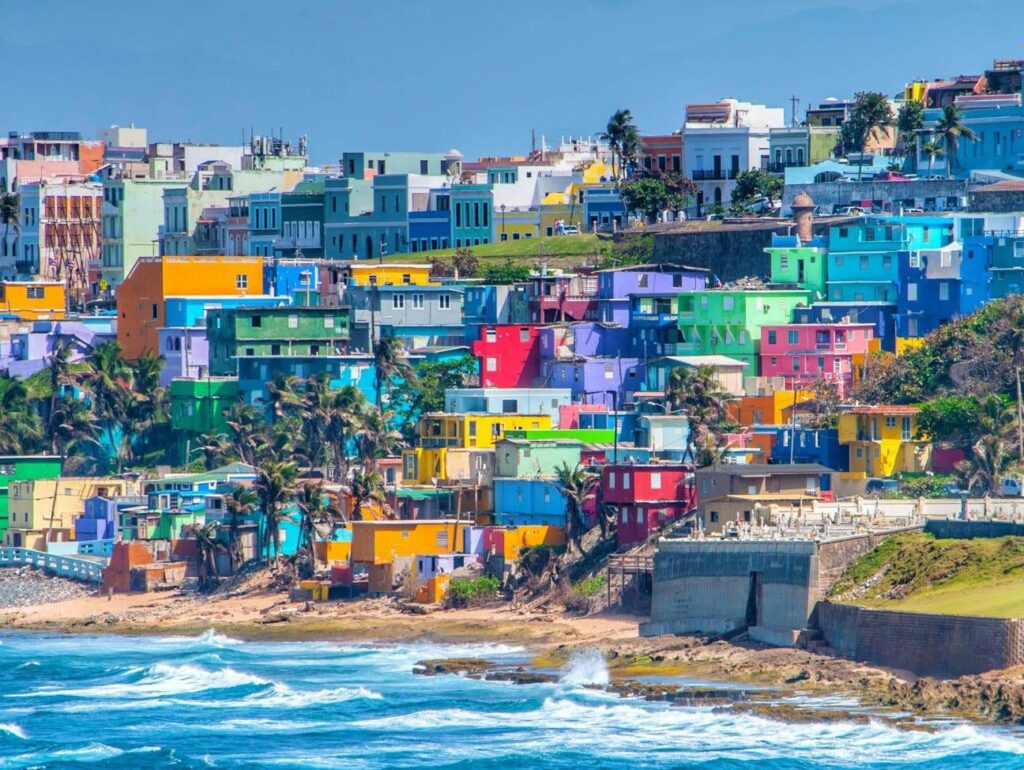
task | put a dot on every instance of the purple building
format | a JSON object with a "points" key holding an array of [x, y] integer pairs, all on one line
{"points": [[609, 380], [586, 340], [615, 286], [98, 521], [25, 346]]}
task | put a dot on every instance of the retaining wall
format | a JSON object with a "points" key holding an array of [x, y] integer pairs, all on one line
{"points": [[953, 529], [924, 644]]}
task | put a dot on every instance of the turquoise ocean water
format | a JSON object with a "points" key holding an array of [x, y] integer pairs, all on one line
{"points": [[210, 701]]}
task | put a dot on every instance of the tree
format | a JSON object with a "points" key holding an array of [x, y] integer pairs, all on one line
{"points": [[21, 431], [952, 129], [698, 392], [909, 121], [507, 273], [217, 450], [752, 186], [870, 115], [70, 427], [390, 363], [649, 196], [274, 484], [284, 397], [426, 394], [465, 263], [10, 209], [823, 405], [239, 504], [991, 458], [248, 433], [317, 519], [107, 382], [576, 483], [365, 487], [345, 415], [376, 438], [932, 149], [207, 546], [623, 138]]}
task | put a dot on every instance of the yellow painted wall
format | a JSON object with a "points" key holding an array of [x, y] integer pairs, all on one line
{"points": [[15, 300], [478, 430], [905, 344], [33, 509], [518, 538], [334, 552], [556, 207], [445, 464], [381, 542], [887, 455], [525, 224], [394, 274]]}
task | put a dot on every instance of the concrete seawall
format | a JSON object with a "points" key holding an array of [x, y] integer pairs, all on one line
{"points": [[925, 644], [955, 529]]}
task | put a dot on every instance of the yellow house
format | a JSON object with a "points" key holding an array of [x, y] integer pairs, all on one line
{"points": [[517, 225], [393, 274], [515, 539], [34, 300], [883, 441], [381, 542], [475, 430], [45, 510]]}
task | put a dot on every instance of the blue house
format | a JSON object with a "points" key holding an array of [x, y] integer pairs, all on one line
{"points": [[264, 223], [297, 279], [810, 445], [626, 422], [603, 209], [864, 256], [522, 502], [429, 230], [346, 369], [938, 286], [998, 123]]}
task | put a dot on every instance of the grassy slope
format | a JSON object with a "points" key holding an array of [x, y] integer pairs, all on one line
{"points": [[558, 247], [922, 574]]}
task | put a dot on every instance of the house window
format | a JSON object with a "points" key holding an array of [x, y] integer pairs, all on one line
{"points": [[911, 292], [275, 349], [293, 322], [655, 481], [625, 480], [329, 322], [524, 334], [444, 301], [905, 432], [943, 291], [890, 421], [611, 480], [609, 371], [772, 337], [492, 336], [406, 278], [397, 301], [1018, 249], [36, 292], [492, 364], [256, 321], [796, 364], [241, 282], [417, 301], [793, 336]]}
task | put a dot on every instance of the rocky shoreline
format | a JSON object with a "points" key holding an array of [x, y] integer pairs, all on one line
{"points": [[27, 587]]}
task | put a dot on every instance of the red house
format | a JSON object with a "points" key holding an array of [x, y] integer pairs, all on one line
{"points": [[509, 355], [647, 496]]}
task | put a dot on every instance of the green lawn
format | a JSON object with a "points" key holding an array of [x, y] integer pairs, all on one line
{"points": [[919, 573], [555, 248]]}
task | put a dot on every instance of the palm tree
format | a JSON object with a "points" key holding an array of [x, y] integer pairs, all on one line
{"points": [[315, 416], [21, 431], [239, 504], [107, 382], [147, 405], [623, 138], [375, 436], [217, 449], [909, 121], [1017, 348], [390, 364], [871, 113], [991, 458], [274, 484], [207, 545], [317, 519], [248, 432], [345, 412], [366, 486], [284, 395], [699, 393], [10, 209], [70, 426], [952, 129], [932, 149], [576, 483]]}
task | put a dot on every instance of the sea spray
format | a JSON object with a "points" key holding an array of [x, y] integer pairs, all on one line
{"points": [[586, 666]]}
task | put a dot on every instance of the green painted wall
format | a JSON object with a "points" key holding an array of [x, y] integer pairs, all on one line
{"points": [[538, 458], [199, 407], [585, 435], [805, 266]]}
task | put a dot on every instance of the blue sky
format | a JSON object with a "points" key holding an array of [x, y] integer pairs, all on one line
{"points": [[472, 74]]}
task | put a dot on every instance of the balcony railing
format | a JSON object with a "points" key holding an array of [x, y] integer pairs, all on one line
{"points": [[779, 167], [701, 175]]}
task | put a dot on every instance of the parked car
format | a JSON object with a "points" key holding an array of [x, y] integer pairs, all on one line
{"points": [[570, 230], [952, 489], [849, 211], [1010, 487], [880, 486]]}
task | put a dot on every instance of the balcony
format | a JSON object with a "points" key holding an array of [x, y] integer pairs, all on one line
{"points": [[703, 175], [779, 167]]}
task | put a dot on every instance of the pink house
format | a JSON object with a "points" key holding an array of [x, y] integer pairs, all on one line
{"points": [[806, 353]]}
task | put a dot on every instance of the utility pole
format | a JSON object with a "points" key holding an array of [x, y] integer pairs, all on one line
{"points": [[794, 101]]}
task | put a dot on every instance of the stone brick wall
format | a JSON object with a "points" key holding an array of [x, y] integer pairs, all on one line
{"points": [[924, 644], [997, 201], [728, 253], [836, 555]]}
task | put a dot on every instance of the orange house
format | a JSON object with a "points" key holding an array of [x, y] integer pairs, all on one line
{"points": [[141, 298], [34, 300], [765, 410]]}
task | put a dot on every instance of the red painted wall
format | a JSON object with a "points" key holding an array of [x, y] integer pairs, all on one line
{"points": [[515, 351]]}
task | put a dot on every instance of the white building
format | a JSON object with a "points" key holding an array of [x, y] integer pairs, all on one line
{"points": [[722, 139]]}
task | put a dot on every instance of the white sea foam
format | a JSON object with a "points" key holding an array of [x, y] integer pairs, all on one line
{"points": [[283, 696], [161, 680], [586, 666], [12, 728]]}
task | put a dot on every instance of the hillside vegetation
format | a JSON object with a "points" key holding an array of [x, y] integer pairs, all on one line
{"points": [[916, 572], [553, 248]]}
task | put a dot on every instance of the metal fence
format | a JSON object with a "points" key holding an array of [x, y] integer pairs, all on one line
{"points": [[75, 568]]}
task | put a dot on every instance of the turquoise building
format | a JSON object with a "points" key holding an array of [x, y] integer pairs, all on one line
{"points": [[472, 207], [864, 256]]}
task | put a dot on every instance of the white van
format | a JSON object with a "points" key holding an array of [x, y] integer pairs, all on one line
{"points": [[1010, 487]]}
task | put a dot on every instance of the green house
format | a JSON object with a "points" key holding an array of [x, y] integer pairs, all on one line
{"points": [[278, 332], [198, 408], [728, 321], [23, 468], [805, 267], [524, 458]]}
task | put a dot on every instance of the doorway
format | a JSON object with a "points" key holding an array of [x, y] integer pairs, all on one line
{"points": [[755, 599]]}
